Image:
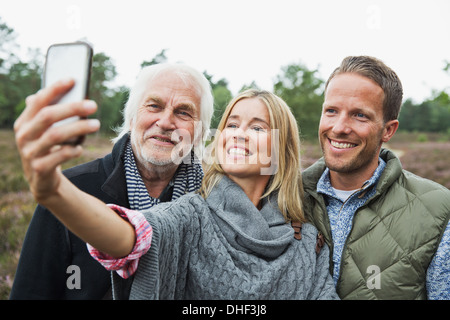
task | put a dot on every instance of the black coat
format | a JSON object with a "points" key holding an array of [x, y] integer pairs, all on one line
{"points": [[49, 248]]}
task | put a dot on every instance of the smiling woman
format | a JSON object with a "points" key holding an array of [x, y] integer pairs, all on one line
{"points": [[245, 141], [260, 122]]}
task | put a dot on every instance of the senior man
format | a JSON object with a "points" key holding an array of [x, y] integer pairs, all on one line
{"points": [[155, 158]]}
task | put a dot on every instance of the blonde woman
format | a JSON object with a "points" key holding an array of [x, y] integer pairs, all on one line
{"points": [[232, 240]]}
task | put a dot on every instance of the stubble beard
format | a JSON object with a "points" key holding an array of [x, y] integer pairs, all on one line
{"points": [[358, 162], [146, 157]]}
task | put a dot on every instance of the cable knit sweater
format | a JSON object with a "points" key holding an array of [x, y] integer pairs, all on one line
{"points": [[225, 248]]}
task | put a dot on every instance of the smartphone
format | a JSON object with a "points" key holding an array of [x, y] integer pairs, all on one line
{"points": [[69, 60]]}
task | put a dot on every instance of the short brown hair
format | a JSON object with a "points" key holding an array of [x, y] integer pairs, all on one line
{"points": [[379, 72]]}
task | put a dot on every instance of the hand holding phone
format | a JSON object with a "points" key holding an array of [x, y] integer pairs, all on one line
{"points": [[69, 61]]}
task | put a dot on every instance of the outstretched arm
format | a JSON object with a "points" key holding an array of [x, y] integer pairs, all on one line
{"points": [[42, 152]]}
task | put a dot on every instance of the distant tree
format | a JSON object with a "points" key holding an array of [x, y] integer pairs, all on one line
{"points": [[406, 117], [222, 96], [109, 100], [159, 58], [447, 66], [18, 79], [103, 72], [444, 95], [112, 107], [8, 46], [431, 115], [26, 78], [252, 85], [303, 92], [428, 116]]}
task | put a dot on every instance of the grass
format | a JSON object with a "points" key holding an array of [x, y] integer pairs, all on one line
{"points": [[17, 204], [424, 154], [16, 209]]}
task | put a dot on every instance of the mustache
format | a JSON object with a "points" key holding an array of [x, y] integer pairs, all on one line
{"points": [[174, 136]]}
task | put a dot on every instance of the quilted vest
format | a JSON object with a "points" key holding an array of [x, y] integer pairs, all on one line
{"points": [[394, 236]]}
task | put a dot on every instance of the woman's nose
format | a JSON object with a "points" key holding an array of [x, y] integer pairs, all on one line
{"points": [[240, 135]]}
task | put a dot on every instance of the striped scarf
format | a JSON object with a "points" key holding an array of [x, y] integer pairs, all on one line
{"points": [[187, 178]]}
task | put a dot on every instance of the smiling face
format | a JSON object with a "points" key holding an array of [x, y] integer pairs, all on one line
{"points": [[169, 109], [244, 146], [352, 129]]}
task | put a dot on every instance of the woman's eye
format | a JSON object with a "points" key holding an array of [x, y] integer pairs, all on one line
{"points": [[258, 128]]}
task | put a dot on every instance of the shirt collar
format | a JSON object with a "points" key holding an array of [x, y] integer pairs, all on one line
{"points": [[324, 184]]}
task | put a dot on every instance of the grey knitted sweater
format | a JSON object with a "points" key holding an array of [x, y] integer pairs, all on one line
{"points": [[225, 248]]}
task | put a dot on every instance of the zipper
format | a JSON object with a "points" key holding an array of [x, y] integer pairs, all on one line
{"points": [[356, 191], [351, 229]]}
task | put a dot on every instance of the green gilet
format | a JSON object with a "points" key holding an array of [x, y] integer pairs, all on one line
{"points": [[394, 235]]}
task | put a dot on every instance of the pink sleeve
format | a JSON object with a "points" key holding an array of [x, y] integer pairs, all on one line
{"points": [[127, 266]]}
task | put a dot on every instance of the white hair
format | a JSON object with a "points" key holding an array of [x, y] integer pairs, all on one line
{"points": [[189, 76]]}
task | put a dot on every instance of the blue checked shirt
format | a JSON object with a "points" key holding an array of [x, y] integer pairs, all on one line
{"points": [[341, 212]]}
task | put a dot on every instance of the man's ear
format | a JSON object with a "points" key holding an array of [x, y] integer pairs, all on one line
{"points": [[389, 130], [131, 123]]}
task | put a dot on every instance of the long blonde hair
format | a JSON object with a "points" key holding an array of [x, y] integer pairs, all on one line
{"points": [[287, 180]]}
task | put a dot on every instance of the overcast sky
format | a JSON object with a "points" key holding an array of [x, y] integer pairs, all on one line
{"points": [[248, 40]]}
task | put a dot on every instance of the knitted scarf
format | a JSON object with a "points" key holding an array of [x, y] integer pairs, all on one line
{"points": [[225, 248], [262, 232], [188, 178]]}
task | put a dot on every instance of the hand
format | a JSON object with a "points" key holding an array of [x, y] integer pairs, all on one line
{"points": [[41, 145]]}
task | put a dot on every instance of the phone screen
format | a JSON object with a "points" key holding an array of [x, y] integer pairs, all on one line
{"points": [[72, 60], [69, 60]]}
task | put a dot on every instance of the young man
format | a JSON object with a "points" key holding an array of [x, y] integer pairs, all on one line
{"points": [[143, 169], [388, 229]]}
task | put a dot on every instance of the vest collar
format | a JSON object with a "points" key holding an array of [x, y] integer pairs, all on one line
{"points": [[391, 173], [324, 183]]}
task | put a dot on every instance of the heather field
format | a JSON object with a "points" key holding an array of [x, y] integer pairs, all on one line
{"points": [[17, 204], [426, 155]]}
